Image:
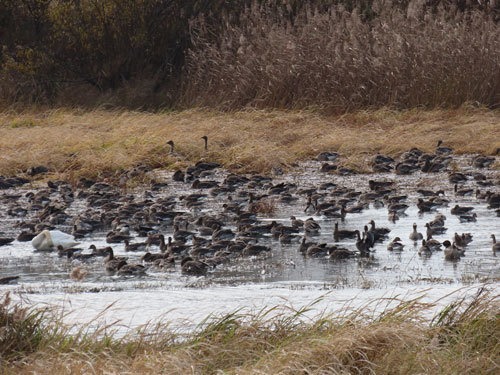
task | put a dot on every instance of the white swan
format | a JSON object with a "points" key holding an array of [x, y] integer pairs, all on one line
{"points": [[50, 240]]}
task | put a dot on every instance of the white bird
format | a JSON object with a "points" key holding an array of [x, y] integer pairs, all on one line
{"points": [[49, 240]]}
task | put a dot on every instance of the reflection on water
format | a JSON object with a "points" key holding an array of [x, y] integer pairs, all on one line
{"points": [[282, 275]]}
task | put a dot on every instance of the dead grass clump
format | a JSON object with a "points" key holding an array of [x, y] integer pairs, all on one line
{"points": [[265, 207]]}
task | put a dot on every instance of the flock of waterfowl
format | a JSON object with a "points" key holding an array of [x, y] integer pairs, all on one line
{"points": [[172, 228]]}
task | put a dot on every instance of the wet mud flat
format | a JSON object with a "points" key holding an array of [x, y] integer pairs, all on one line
{"points": [[282, 273]]}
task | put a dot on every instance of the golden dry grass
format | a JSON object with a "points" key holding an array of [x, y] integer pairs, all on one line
{"points": [[75, 143], [463, 338]]}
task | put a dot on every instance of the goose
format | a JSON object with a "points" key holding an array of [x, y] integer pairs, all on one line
{"points": [[70, 254], [327, 156], [361, 244], [171, 247], [451, 251], [434, 230], [462, 240], [395, 245], [305, 245], [482, 161], [250, 250], [317, 251], [50, 240], [205, 139], [379, 233], [113, 264], [116, 237], [462, 192], [415, 236], [468, 218], [7, 279], [100, 252], [296, 223], [461, 210], [336, 252], [341, 234], [442, 150], [424, 249], [404, 169], [139, 246], [495, 246], [189, 266], [286, 238], [79, 233], [131, 269], [433, 244], [311, 227], [171, 144], [5, 241]]}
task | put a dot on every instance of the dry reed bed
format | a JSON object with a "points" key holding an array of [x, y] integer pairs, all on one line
{"points": [[463, 338], [399, 54], [102, 143]]}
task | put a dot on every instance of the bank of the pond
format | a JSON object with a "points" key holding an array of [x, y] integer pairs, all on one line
{"points": [[73, 143], [462, 337]]}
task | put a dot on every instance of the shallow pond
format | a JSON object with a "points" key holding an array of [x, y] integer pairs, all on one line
{"points": [[282, 277]]}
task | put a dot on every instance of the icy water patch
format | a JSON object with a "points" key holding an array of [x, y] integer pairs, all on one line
{"points": [[282, 277]]}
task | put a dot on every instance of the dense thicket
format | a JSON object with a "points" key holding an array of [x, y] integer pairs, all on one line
{"points": [[336, 54]]}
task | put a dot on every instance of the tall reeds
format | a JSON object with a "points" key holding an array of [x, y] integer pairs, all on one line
{"points": [[403, 57]]}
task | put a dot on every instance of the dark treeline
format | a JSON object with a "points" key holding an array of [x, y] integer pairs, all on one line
{"points": [[341, 54]]}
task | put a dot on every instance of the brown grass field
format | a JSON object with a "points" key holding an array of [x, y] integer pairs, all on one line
{"points": [[103, 143]]}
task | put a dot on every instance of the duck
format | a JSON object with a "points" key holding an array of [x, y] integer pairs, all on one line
{"points": [[395, 245], [190, 266], [49, 240], [496, 246], [415, 236]]}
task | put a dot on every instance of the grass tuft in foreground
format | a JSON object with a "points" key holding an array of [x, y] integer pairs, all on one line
{"points": [[463, 338]]}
